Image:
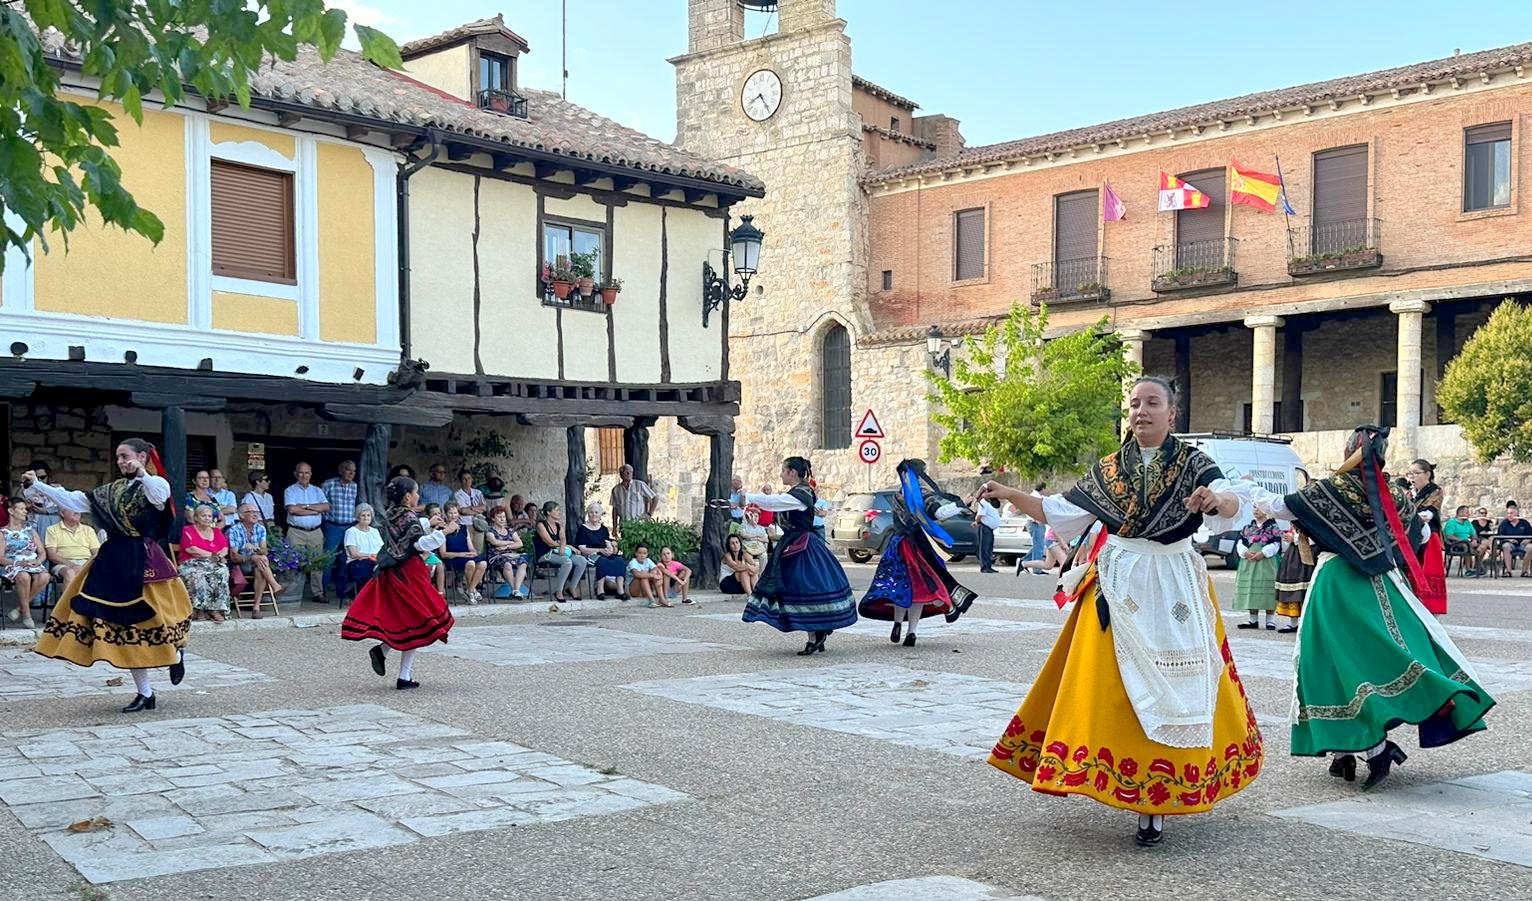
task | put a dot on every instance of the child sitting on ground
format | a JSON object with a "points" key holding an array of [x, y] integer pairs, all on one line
{"points": [[645, 578], [674, 572]]}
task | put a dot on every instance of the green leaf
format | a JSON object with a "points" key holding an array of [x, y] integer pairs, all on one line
{"points": [[378, 48]]}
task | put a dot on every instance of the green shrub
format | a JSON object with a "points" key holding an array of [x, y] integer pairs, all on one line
{"points": [[683, 538]]}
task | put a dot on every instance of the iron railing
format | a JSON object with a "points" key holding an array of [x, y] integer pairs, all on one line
{"points": [[1065, 280], [1194, 264], [507, 102], [1333, 246]]}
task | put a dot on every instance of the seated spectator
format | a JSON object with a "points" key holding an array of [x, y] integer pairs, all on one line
{"points": [[515, 511], [532, 512], [201, 495], [494, 492], [203, 564], [69, 545], [1484, 540], [754, 534], [460, 556], [594, 540], [436, 490], [221, 493], [260, 495], [22, 560], [645, 579], [1514, 536], [362, 543], [550, 546], [503, 548], [249, 551], [674, 573], [737, 569], [766, 517], [400, 469], [1458, 536], [470, 500], [44, 513], [433, 562]]}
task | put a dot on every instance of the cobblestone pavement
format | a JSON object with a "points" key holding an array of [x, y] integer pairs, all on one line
{"points": [[611, 752]]}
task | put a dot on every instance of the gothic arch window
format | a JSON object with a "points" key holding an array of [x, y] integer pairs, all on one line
{"points": [[835, 388]]}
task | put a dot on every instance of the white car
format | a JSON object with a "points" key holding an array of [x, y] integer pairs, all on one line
{"points": [[1269, 462], [1012, 539]]}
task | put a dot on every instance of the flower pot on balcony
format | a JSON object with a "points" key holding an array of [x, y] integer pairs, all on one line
{"points": [[587, 285], [1181, 279], [561, 289], [1044, 295], [609, 294], [1318, 264]]}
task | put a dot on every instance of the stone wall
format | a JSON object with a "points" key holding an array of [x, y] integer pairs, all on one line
{"points": [[74, 441], [533, 461]]}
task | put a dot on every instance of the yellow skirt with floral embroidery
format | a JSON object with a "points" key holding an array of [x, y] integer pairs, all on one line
{"points": [[67, 635], [1077, 734]]}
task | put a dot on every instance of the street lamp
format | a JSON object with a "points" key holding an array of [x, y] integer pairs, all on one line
{"points": [[745, 250], [939, 350]]}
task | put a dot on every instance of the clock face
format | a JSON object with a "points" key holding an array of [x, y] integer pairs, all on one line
{"points": [[761, 94]]}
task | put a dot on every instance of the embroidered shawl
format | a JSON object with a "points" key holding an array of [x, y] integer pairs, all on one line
{"points": [[1138, 498], [1260, 534], [400, 532], [1337, 514], [1429, 497]]}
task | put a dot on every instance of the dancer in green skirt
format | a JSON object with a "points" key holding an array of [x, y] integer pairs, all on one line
{"points": [[1370, 657]]}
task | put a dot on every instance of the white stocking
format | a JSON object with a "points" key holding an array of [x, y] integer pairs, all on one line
{"points": [[141, 682], [901, 613], [914, 615], [406, 663]]}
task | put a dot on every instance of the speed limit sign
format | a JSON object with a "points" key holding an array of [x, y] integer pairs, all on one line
{"points": [[869, 451]]}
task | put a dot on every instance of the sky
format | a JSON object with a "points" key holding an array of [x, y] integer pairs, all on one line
{"points": [[1006, 70]]}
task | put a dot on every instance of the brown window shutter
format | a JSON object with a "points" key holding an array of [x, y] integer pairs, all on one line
{"points": [[1340, 186], [253, 223], [1484, 134], [968, 249], [1206, 224], [612, 452], [1074, 226], [835, 389]]}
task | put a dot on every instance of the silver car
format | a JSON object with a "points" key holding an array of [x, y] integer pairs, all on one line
{"points": [[1012, 540]]}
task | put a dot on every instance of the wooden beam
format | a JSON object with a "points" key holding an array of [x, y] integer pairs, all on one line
{"points": [[715, 521], [543, 170], [182, 383], [374, 469], [569, 420], [611, 411], [173, 448], [356, 132], [574, 478], [623, 182], [709, 424], [583, 177], [216, 104], [287, 119], [155, 400], [635, 449], [389, 414], [502, 161], [694, 195], [459, 152], [16, 386]]}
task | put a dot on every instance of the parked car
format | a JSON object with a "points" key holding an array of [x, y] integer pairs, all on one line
{"points": [[863, 524], [1271, 462], [1013, 540]]}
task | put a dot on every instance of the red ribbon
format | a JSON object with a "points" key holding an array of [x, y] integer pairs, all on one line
{"points": [[1396, 526]]}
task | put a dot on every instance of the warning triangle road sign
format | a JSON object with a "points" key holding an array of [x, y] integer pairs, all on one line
{"points": [[869, 427]]}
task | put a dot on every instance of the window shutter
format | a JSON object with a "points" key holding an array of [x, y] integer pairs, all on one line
{"points": [[1206, 224], [968, 249], [835, 392], [1484, 134], [612, 452], [252, 223], [1074, 227], [1340, 186]]}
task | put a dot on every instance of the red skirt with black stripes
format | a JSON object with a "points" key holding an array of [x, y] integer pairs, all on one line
{"points": [[399, 607]]}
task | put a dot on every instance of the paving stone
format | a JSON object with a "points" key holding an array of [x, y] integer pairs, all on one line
{"points": [[304, 795], [886, 702], [538, 645], [24, 676], [926, 888]]}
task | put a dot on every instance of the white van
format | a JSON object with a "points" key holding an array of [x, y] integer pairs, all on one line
{"points": [[1269, 461]]}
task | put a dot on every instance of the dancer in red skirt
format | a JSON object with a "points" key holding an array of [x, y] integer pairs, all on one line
{"points": [[1427, 496], [399, 605]]}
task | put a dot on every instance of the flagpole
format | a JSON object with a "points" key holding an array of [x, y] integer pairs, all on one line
{"points": [[1286, 207]]}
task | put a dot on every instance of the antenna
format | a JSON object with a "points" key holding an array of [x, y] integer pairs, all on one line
{"points": [[564, 51]]}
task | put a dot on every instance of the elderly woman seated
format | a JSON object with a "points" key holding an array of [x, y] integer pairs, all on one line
{"points": [[204, 565], [362, 543], [248, 550], [594, 540]]}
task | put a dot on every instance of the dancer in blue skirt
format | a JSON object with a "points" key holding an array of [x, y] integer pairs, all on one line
{"points": [[802, 588]]}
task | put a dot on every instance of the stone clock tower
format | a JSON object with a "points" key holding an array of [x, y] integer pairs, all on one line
{"points": [[779, 107]]}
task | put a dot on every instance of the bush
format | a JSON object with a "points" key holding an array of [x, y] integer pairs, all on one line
{"points": [[680, 537], [1488, 386]]}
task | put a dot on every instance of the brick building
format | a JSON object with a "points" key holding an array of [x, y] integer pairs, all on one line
{"points": [[1408, 230]]}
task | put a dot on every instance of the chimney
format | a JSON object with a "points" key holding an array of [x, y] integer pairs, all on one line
{"points": [[939, 130]]}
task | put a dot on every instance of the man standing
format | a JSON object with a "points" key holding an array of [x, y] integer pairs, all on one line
{"points": [[737, 500], [340, 493], [631, 499], [69, 545], [225, 498], [306, 506], [436, 491], [986, 521]]}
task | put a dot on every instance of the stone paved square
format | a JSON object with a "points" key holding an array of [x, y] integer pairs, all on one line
{"points": [[1274, 660], [537, 645], [932, 627], [948, 712], [244, 789], [1488, 816], [925, 888], [25, 676]]}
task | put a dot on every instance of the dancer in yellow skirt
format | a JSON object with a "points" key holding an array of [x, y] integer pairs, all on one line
{"points": [[1139, 705], [127, 607]]}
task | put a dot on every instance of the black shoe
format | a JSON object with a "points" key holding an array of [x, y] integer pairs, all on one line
{"points": [[139, 703], [623, 596], [376, 654], [909, 640], [405, 684], [817, 645], [1287, 630], [1344, 767], [177, 671], [1020, 565], [809, 647], [1248, 625], [894, 635], [990, 570], [1272, 626], [1148, 836], [1379, 765]]}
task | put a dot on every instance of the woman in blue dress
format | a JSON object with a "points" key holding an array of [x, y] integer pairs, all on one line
{"points": [[802, 588]]}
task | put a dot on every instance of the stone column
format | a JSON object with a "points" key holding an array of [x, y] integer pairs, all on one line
{"points": [[1407, 403], [1132, 351], [1263, 374], [1183, 382]]}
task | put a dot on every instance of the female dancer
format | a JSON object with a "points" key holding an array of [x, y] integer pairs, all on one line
{"points": [[1255, 587], [127, 606], [1139, 705], [911, 581], [399, 606], [1426, 497], [1293, 580], [1370, 656], [802, 587]]}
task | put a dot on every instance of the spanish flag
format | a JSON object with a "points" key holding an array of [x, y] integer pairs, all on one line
{"points": [[1258, 189]]}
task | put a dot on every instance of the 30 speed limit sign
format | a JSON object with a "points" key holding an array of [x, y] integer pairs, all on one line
{"points": [[869, 451]]}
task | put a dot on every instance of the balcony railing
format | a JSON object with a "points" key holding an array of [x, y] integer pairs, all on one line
{"points": [[1061, 281], [1333, 247], [508, 102], [1194, 264]]}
